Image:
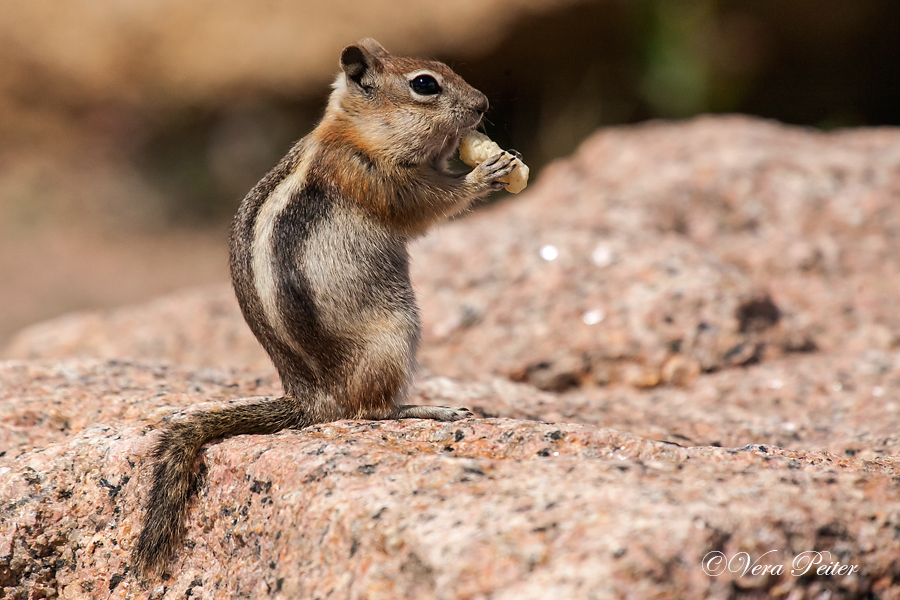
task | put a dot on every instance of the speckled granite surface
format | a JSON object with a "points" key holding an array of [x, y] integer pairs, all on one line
{"points": [[481, 508]]}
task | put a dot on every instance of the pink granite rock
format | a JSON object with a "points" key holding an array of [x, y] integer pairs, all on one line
{"points": [[814, 217], [844, 403], [560, 300], [47, 403], [199, 327], [416, 509]]}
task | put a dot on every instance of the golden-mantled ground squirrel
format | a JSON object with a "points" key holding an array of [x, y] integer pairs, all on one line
{"points": [[320, 265]]}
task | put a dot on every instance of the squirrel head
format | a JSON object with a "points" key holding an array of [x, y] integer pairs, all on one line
{"points": [[410, 110]]}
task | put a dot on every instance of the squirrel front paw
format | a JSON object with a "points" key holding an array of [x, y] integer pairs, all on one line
{"points": [[477, 148], [490, 172]]}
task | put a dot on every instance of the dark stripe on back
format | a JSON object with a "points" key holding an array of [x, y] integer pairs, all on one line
{"points": [[295, 299]]}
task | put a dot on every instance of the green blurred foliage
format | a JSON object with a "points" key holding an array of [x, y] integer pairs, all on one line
{"points": [[677, 78]]}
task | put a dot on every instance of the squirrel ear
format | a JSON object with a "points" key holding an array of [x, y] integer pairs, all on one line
{"points": [[373, 47], [358, 60], [353, 62]]}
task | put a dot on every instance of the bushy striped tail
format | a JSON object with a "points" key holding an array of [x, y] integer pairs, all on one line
{"points": [[176, 452]]}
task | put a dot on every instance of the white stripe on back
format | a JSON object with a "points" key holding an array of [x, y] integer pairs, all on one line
{"points": [[263, 255]]}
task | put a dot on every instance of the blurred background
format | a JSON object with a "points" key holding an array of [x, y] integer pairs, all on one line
{"points": [[130, 130]]}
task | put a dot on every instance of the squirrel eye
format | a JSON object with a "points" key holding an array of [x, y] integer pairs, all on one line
{"points": [[425, 85]]}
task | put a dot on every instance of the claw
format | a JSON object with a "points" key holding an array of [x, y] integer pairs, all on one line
{"points": [[492, 160], [497, 167]]}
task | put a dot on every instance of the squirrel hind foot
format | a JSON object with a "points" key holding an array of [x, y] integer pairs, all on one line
{"points": [[437, 413]]}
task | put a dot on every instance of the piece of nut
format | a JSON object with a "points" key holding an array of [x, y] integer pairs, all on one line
{"points": [[477, 148]]}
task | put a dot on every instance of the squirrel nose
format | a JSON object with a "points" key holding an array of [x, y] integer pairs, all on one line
{"points": [[481, 104]]}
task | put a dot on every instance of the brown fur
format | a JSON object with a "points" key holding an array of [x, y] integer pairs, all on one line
{"points": [[320, 267]]}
